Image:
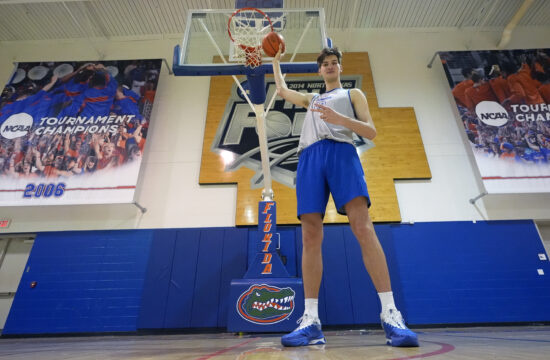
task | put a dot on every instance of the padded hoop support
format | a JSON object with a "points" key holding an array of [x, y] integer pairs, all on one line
{"points": [[256, 82]]}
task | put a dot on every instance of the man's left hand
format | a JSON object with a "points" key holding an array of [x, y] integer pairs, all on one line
{"points": [[329, 115]]}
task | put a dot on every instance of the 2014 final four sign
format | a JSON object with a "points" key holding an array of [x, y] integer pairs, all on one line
{"points": [[74, 132]]}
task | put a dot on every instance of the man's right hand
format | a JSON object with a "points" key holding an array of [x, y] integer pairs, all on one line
{"points": [[277, 58]]}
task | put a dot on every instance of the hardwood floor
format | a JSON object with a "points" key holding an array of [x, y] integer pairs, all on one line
{"points": [[519, 342]]}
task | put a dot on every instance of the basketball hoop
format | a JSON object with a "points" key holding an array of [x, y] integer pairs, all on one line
{"points": [[246, 28]]}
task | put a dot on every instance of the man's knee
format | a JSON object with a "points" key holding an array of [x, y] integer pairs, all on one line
{"points": [[363, 230], [312, 230]]}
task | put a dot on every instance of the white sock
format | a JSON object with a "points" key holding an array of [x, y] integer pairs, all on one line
{"points": [[312, 308], [386, 300]]}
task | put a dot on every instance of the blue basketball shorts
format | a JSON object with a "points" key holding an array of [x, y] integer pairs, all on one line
{"points": [[329, 166]]}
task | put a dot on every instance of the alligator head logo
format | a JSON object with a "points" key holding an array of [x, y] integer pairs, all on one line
{"points": [[266, 304]]}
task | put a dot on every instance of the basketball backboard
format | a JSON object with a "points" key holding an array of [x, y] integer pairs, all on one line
{"points": [[206, 40]]}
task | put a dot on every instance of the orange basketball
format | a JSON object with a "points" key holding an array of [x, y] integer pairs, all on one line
{"points": [[270, 44]]}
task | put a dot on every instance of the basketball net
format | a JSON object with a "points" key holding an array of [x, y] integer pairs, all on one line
{"points": [[247, 28]]}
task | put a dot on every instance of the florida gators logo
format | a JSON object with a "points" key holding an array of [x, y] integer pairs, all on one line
{"points": [[266, 304]]}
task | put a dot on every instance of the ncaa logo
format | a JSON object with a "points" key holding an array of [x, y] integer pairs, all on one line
{"points": [[265, 304], [16, 125], [491, 113], [237, 141]]}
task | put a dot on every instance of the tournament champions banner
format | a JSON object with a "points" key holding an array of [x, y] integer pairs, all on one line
{"points": [[503, 98], [74, 132]]}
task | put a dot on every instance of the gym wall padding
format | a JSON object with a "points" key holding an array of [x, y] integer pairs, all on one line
{"points": [[86, 281], [442, 273], [461, 272], [185, 286]]}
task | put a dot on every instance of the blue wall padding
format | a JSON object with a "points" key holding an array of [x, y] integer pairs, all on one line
{"points": [[336, 284], [442, 273], [179, 303], [202, 263], [234, 262], [461, 272], [206, 293], [157, 279], [87, 281]]}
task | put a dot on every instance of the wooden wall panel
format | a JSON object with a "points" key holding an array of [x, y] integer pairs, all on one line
{"points": [[398, 154]]}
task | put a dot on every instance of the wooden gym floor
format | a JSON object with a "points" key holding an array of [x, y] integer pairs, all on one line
{"points": [[525, 342]]}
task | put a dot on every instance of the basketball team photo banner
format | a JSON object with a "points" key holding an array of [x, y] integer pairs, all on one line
{"points": [[503, 102], [74, 132]]}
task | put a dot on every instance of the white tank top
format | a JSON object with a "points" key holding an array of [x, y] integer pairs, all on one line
{"points": [[315, 129]]}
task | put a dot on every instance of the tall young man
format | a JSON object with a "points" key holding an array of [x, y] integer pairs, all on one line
{"points": [[328, 162]]}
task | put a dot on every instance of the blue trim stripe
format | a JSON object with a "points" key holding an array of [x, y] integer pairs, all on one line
{"points": [[313, 99], [326, 92]]}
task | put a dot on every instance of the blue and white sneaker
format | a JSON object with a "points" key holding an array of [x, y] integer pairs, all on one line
{"points": [[308, 333], [397, 333]]}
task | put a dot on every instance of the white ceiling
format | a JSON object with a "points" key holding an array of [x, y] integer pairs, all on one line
{"points": [[22, 20]]}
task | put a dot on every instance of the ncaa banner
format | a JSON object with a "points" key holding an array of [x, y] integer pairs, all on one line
{"points": [[74, 132], [503, 99]]}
